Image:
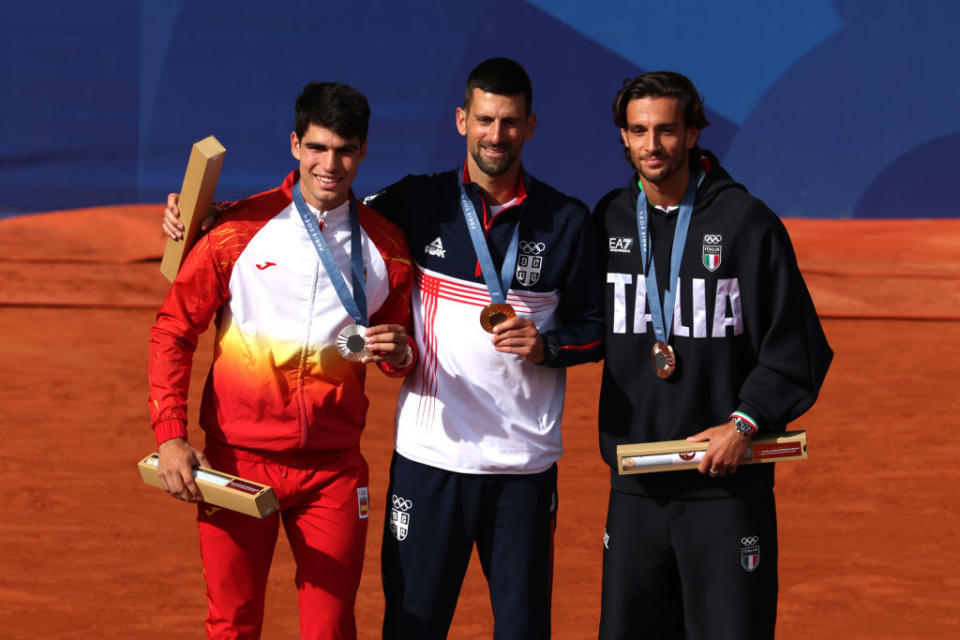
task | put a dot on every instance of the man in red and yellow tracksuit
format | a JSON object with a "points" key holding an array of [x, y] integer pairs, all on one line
{"points": [[284, 403]]}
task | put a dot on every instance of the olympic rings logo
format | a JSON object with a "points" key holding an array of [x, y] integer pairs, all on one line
{"points": [[712, 238], [531, 247], [749, 541], [401, 503]]}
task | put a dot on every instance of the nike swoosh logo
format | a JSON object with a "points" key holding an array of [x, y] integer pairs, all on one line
{"points": [[211, 510], [265, 265]]}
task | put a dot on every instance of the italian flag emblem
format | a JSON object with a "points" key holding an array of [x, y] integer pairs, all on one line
{"points": [[750, 558], [711, 257]]}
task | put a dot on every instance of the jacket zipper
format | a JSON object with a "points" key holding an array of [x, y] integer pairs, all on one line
{"points": [[304, 351]]}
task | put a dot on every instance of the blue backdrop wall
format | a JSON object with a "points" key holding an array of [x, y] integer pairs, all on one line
{"points": [[824, 108]]}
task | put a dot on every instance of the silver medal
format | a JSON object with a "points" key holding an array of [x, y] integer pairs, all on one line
{"points": [[352, 344]]}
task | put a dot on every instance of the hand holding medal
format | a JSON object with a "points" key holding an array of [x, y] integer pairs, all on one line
{"points": [[387, 343], [519, 336]]}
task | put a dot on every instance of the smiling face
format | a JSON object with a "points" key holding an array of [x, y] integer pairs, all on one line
{"points": [[328, 165], [496, 126], [659, 141]]}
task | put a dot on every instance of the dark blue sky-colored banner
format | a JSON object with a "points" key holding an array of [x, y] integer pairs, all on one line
{"points": [[823, 108]]}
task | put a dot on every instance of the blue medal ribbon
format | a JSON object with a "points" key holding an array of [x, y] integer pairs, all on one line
{"points": [[663, 322], [498, 287], [354, 303]]}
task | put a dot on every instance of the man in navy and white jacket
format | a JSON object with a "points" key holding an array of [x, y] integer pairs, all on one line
{"points": [[478, 421]]}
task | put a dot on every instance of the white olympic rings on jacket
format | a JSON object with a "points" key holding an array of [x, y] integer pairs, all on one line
{"points": [[531, 247]]}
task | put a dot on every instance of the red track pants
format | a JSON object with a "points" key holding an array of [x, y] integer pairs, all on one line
{"points": [[324, 506]]}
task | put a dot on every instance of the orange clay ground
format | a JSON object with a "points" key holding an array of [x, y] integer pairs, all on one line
{"points": [[868, 525]]}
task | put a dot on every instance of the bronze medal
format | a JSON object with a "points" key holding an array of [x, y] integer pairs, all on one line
{"points": [[664, 360], [352, 344], [493, 314]]}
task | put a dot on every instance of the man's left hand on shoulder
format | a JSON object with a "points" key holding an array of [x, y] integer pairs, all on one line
{"points": [[520, 336], [725, 451], [388, 343]]}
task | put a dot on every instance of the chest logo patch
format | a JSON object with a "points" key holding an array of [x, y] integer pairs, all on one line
{"points": [[530, 262], [435, 248], [620, 245], [712, 249]]}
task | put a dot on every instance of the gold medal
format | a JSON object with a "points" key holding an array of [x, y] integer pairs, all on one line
{"points": [[664, 359], [493, 314], [352, 344]]}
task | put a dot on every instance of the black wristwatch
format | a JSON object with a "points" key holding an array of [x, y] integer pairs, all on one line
{"points": [[551, 349], [743, 427]]}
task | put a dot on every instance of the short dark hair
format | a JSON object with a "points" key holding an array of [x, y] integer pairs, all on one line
{"points": [[502, 76], [661, 84], [335, 106]]}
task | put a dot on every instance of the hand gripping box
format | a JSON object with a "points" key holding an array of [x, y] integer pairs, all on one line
{"points": [[221, 489], [676, 455]]}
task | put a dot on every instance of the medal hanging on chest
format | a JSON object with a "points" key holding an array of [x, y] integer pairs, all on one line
{"points": [[351, 343], [497, 284], [663, 356], [664, 360]]}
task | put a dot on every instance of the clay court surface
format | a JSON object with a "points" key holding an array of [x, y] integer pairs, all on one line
{"points": [[868, 524]]}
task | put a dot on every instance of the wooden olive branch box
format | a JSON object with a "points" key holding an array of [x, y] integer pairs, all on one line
{"points": [[676, 455], [221, 489], [196, 196]]}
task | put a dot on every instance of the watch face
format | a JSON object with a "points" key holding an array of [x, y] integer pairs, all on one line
{"points": [[551, 349], [742, 426]]}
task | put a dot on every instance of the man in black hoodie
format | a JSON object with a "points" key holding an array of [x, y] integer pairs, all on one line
{"points": [[711, 336]]}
